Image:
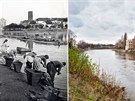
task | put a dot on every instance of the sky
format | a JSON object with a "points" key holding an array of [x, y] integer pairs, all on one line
{"points": [[102, 21], [15, 11]]}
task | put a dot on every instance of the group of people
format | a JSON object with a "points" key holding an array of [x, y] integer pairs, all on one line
{"points": [[37, 63], [32, 61]]}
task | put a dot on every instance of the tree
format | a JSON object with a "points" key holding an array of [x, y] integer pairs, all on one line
{"points": [[41, 26], [48, 22], [32, 22], [27, 27], [6, 27], [82, 44], [13, 25], [72, 37], [60, 25], [71, 34], [65, 19], [21, 26]]}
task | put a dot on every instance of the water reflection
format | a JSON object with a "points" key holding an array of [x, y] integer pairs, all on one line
{"points": [[119, 65], [128, 56], [54, 53]]}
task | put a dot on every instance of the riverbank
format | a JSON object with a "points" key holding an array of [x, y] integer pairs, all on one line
{"points": [[59, 54], [121, 66], [50, 35], [124, 51], [14, 87], [85, 84], [87, 49], [36, 40]]}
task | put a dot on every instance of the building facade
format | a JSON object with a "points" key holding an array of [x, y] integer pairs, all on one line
{"points": [[133, 41], [2, 23], [30, 15], [129, 45]]}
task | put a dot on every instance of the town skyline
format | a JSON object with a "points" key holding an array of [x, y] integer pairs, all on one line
{"points": [[41, 9]]}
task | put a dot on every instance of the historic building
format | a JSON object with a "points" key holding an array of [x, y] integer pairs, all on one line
{"points": [[129, 45], [2, 23], [133, 41], [30, 15]]}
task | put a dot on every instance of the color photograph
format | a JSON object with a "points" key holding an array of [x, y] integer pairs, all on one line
{"points": [[101, 50]]}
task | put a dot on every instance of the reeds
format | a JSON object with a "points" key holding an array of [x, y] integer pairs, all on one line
{"points": [[87, 83]]}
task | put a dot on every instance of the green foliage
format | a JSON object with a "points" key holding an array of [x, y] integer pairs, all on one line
{"points": [[80, 64], [84, 81]]}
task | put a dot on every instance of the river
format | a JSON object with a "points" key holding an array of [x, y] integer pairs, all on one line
{"points": [[54, 53], [119, 65]]}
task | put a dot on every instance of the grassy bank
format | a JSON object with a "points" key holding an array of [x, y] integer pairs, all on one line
{"points": [[84, 81]]}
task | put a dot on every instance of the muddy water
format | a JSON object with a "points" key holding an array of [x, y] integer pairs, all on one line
{"points": [[119, 65]]}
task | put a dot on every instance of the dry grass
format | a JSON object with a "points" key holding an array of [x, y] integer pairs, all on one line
{"points": [[85, 84]]}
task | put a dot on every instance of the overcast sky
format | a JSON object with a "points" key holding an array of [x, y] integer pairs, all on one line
{"points": [[17, 10], [102, 21]]}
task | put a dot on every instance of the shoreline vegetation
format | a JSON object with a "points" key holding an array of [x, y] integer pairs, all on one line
{"points": [[86, 83], [113, 49], [124, 51], [87, 49]]}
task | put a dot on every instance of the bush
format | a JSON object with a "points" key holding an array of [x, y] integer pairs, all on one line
{"points": [[80, 64], [84, 81]]}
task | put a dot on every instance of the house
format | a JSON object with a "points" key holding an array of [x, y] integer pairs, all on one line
{"points": [[25, 23], [41, 22], [129, 45], [133, 41]]}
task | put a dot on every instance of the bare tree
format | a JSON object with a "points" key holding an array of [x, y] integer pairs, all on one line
{"points": [[71, 38]]}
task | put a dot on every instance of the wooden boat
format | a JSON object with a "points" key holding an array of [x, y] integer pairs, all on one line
{"points": [[22, 50]]}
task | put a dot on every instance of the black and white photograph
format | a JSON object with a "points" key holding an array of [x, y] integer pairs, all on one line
{"points": [[33, 50]]}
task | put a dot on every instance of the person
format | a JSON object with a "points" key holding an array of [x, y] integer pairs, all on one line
{"points": [[58, 43], [29, 43], [4, 55], [39, 62], [43, 59], [54, 67], [4, 46], [46, 80], [37, 65], [29, 58], [12, 54]]}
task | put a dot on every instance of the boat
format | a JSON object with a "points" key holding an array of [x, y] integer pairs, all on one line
{"points": [[22, 50]]}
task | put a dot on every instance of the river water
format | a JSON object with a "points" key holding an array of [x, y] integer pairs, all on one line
{"points": [[119, 65], [54, 53]]}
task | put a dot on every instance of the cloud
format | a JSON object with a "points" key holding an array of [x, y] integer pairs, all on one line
{"points": [[76, 6], [76, 22], [103, 19]]}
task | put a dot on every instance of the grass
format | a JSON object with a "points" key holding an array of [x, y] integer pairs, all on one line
{"points": [[86, 83]]}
